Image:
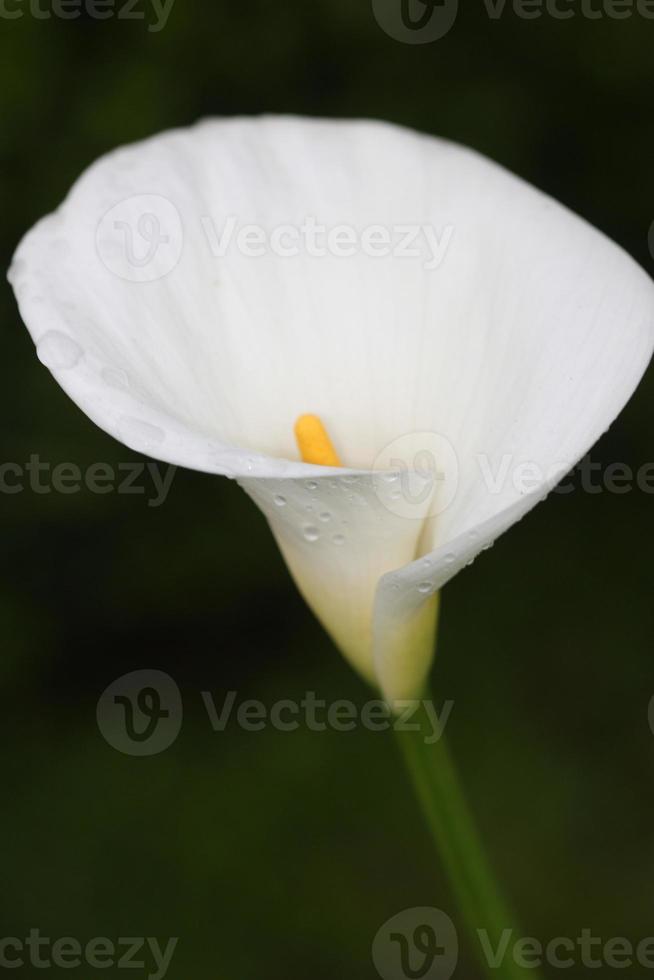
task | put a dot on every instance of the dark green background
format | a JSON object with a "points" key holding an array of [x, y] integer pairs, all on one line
{"points": [[278, 855]]}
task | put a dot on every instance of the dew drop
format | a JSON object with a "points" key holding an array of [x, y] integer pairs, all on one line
{"points": [[115, 377], [450, 559], [425, 587], [311, 485], [325, 516], [279, 500], [139, 434], [338, 539], [310, 533], [390, 477], [57, 350]]}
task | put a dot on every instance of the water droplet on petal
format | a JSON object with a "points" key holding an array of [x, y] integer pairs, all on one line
{"points": [[57, 350], [425, 587], [311, 485], [325, 516], [310, 533], [339, 539], [115, 377], [139, 434], [279, 500], [450, 559]]}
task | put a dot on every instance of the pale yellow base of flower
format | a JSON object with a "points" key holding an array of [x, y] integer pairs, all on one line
{"points": [[404, 650]]}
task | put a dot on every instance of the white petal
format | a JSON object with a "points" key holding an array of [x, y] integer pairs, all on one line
{"points": [[338, 539], [526, 340]]}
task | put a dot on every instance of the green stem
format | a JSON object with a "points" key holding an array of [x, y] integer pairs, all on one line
{"points": [[478, 895]]}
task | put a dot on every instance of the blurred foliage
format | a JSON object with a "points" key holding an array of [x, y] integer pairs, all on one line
{"points": [[277, 854]]}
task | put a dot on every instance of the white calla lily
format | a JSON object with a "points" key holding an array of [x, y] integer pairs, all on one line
{"points": [[518, 332]]}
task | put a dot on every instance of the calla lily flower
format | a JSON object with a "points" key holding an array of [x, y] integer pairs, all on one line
{"points": [[523, 341]]}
